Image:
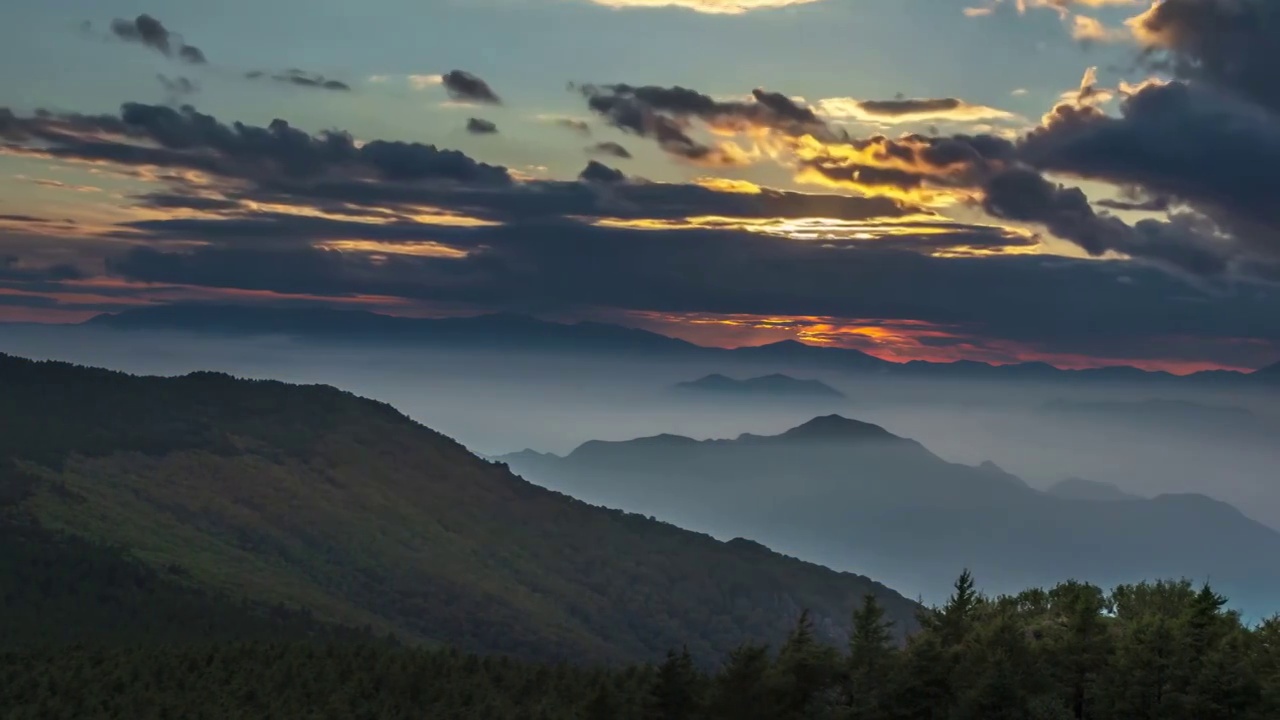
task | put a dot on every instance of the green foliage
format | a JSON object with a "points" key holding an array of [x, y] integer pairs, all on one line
{"points": [[1174, 654]]}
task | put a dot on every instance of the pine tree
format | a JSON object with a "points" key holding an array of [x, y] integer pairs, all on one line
{"points": [[805, 672], [872, 660], [741, 688], [676, 691]]}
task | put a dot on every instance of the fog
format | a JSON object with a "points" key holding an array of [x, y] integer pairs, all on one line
{"points": [[501, 402]]}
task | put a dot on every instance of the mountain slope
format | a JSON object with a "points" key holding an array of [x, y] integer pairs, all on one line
{"points": [[777, 386], [313, 497], [852, 495]]}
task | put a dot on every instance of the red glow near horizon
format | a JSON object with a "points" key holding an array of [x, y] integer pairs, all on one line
{"points": [[891, 340], [894, 341]]}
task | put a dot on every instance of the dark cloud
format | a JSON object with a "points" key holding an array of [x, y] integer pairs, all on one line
{"points": [[150, 32], [184, 138], [610, 149], [596, 172], [480, 126], [465, 87], [19, 218], [1233, 45], [1181, 141], [557, 266], [301, 78], [765, 109], [663, 114], [910, 106], [282, 164], [12, 269], [1024, 195]]}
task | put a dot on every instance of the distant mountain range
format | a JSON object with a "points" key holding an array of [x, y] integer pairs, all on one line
{"points": [[775, 386], [511, 332], [853, 495], [313, 498]]}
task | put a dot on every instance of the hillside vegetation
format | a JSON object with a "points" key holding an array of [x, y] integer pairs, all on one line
{"points": [[1155, 651], [313, 498]]}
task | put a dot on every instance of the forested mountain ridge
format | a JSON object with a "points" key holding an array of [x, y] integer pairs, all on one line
{"points": [[312, 497]]}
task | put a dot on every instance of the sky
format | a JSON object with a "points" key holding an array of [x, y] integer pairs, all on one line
{"points": [[1081, 182]]}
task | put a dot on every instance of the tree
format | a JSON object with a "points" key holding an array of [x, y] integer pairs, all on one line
{"points": [[804, 673], [741, 690], [676, 692], [872, 662]]}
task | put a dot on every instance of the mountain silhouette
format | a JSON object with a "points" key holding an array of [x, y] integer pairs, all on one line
{"points": [[511, 332], [855, 496]]}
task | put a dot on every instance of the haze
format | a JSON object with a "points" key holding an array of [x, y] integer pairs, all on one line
{"points": [[497, 403]]}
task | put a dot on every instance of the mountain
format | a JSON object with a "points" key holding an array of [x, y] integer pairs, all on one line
{"points": [[1092, 490], [519, 332], [314, 498], [776, 385], [853, 495], [499, 330], [1270, 372]]}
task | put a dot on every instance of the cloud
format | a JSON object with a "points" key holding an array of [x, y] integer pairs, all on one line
{"points": [[715, 7], [301, 78], [556, 267], [1233, 46], [1191, 143], [465, 87], [582, 127], [1024, 195], [1089, 30], [596, 172], [150, 32], [665, 114], [479, 126], [12, 269], [610, 149], [178, 87], [329, 172], [422, 82], [904, 110], [158, 135], [609, 240]]}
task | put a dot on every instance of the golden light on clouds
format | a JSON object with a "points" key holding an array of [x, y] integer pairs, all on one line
{"points": [[818, 229], [896, 112], [1085, 28], [425, 248], [716, 7], [727, 185]]}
